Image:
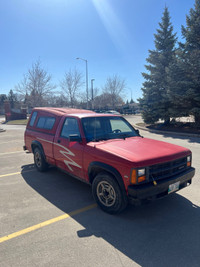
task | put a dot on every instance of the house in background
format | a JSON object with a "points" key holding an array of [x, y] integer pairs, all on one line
{"points": [[14, 114]]}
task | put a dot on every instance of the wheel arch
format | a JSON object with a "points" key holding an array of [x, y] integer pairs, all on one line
{"points": [[37, 144], [97, 167]]}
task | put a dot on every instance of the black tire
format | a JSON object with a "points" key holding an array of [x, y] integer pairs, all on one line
{"points": [[39, 160], [108, 194]]}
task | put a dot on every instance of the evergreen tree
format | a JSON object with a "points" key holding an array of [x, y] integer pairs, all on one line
{"points": [[12, 98], [155, 101], [3, 97], [185, 70]]}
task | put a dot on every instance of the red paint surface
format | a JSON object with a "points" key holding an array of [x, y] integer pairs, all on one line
{"points": [[143, 151]]}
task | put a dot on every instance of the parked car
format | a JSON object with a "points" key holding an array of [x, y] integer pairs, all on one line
{"points": [[105, 151], [114, 112]]}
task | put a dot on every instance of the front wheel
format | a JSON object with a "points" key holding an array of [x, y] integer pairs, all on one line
{"points": [[39, 160], [108, 194]]}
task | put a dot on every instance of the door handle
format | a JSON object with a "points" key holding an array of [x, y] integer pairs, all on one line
{"points": [[59, 141]]}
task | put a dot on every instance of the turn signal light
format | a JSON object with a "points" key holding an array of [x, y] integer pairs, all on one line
{"points": [[134, 177], [141, 179], [188, 161]]}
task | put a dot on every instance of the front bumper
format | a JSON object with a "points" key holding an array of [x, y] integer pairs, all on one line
{"points": [[151, 191]]}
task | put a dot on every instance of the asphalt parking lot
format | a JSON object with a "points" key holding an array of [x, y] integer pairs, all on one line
{"points": [[51, 219]]}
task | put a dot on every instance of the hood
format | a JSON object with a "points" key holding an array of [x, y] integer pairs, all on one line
{"points": [[143, 151]]}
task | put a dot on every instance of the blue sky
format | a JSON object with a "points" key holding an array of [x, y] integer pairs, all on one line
{"points": [[113, 35]]}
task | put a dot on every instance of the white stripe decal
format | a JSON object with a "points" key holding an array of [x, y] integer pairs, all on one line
{"points": [[65, 153]]}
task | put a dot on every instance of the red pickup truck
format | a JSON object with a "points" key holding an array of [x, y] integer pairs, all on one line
{"points": [[105, 151]]}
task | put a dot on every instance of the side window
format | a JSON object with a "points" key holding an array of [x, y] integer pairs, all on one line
{"points": [[70, 127], [41, 122], [33, 118], [46, 123], [49, 123]]}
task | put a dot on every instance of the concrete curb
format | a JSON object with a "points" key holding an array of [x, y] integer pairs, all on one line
{"points": [[166, 132]]}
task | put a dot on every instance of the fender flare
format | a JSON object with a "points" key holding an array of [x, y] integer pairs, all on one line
{"points": [[100, 166], [36, 143]]}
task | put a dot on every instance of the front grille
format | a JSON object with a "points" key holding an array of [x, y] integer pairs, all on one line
{"points": [[168, 169]]}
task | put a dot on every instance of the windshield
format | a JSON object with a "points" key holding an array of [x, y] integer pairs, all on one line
{"points": [[105, 128]]}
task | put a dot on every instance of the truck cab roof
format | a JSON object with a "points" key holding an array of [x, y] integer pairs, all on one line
{"points": [[80, 113]]}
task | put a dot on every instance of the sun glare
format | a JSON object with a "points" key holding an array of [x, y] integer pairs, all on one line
{"points": [[117, 31]]}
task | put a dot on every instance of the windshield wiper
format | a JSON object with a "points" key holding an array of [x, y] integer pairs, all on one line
{"points": [[123, 136], [97, 139]]}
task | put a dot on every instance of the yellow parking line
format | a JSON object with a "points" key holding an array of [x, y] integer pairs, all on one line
{"points": [[7, 153], [45, 223], [9, 174], [15, 173], [10, 141]]}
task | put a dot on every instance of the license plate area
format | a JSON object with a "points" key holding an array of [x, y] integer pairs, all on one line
{"points": [[173, 187]]}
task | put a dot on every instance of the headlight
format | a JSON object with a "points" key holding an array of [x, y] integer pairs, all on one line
{"points": [[141, 175], [141, 172], [138, 176], [189, 161]]}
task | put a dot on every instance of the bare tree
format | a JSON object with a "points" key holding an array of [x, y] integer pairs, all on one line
{"points": [[57, 100], [36, 85], [115, 87], [104, 101], [71, 84]]}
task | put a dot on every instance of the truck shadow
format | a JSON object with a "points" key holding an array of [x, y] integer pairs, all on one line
{"points": [[189, 138], [163, 233]]}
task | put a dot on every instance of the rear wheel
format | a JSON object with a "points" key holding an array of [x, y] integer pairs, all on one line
{"points": [[108, 194], [39, 160]]}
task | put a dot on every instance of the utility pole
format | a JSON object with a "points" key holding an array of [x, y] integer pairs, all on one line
{"points": [[92, 92]]}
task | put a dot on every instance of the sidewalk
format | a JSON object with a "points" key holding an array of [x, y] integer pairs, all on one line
{"points": [[166, 132]]}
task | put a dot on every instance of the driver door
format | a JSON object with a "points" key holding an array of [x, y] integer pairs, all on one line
{"points": [[69, 155]]}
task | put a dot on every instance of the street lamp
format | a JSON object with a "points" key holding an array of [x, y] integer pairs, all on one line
{"points": [[92, 88], [131, 93], [86, 71], [92, 80]]}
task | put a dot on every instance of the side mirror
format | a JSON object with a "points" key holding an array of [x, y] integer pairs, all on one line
{"points": [[138, 132], [74, 138]]}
